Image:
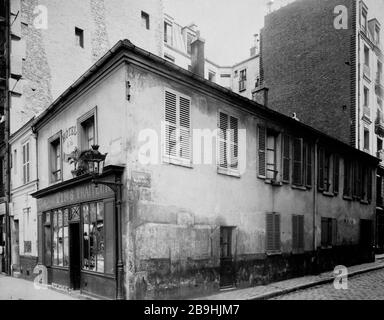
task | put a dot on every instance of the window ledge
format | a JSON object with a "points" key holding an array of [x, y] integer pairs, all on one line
{"points": [[301, 188], [274, 253], [298, 251], [178, 162], [328, 194], [227, 172], [348, 198], [274, 183], [364, 202]]}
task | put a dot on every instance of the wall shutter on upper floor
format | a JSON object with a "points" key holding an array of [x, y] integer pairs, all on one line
{"points": [[262, 146], [320, 176], [286, 158], [336, 174], [297, 162]]}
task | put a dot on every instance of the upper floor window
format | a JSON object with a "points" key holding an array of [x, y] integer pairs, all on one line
{"points": [[243, 80], [26, 163], [366, 56], [211, 76], [377, 35], [272, 171], [55, 161], [228, 142], [328, 232], [178, 145], [366, 139], [79, 36], [364, 20], [87, 125], [145, 20], [366, 97], [171, 59], [168, 33], [324, 170]]}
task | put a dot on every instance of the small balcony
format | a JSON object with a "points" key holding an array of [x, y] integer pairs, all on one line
{"points": [[379, 124], [379, 87], [367, 113], [367, 71]]}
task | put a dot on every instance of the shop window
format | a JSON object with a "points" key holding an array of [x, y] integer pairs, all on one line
{"points": [[93, 237], [26, 163], [273, 243], [328, 232], [55, 158], [60, 256]]}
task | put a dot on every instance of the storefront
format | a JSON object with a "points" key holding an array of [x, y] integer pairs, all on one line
{"points": [[77, 237]]}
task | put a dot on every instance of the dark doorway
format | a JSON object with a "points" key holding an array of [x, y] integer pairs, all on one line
{"points": [[366, 233], [380, 233], [74, 255], [226, 257]]}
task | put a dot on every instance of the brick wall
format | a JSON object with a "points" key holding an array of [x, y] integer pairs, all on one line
{"points": [[305, 65]]}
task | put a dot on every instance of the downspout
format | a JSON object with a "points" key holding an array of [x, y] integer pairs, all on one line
{"points": [[7, 109], [315, 205]]}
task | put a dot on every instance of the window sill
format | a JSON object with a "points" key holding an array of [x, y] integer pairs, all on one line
{"points": [[274, 253], [274, 183], [230, 173], [298, 251], [301, 188], [348, 198], [364, 202], [328, 194], [178, 162]]}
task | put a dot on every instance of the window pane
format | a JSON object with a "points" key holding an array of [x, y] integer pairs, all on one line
{"points": [[60, 240], [54, 240], [92, 237], [66, 239], [100, 237], [86, 263]]}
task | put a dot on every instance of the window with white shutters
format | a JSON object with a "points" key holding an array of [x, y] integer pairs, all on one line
{"points": [[273, 242], [26, 164], [177, 140], [228, 142]]}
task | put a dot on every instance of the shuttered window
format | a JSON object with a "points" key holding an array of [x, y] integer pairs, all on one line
{"points": [[26, 164], [356, 192], [273, 243], [262, 146], [347, 178], [320, 176], [286, 158], [328, 232], [228, 141], [297, 178], [297, 233], [177, 126], [308, 165], [336, 174]]}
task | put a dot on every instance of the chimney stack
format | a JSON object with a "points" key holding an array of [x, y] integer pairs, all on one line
{"points": [[198, 56]]}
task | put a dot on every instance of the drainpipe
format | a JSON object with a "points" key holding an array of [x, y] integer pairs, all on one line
{"points": [[315, 209]]}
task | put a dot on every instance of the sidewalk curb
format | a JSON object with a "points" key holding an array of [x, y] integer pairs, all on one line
{"points": [[311, 284]]}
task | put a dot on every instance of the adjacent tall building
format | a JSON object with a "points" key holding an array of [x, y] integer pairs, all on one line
{"points": [[322, 63]]}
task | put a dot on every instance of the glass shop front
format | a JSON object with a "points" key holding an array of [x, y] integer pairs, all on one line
{"points": [[77, 238]]}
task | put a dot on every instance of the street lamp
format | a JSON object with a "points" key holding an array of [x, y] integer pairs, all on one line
{"points": [[95, 162]]}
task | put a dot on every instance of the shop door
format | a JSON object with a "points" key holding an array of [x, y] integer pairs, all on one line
{"points": [[74, 255], [226, 258]]}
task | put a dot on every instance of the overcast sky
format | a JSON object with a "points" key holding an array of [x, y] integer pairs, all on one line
{"points": [[228, 26]]}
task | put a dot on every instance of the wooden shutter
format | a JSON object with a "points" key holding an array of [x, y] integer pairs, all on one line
{"points": [[347, 177], [336, 173], [277, 232], [300, 233], [320, 182], [324, 232], [223, 140], [286, 158], [295, 223], [308, 171], [334, 231], [170, 124], [234, 143], [262, 135], [185, 128], [297, 162], [369, 184], [270, 232]]}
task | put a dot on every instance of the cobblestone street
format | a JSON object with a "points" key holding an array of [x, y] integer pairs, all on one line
{"points": [[368, 286]]}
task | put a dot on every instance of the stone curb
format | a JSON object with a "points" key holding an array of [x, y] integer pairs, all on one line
{"points": [[311, 284]]}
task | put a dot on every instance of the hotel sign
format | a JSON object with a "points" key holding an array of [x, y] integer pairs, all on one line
{"points": [[75, 195]]}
